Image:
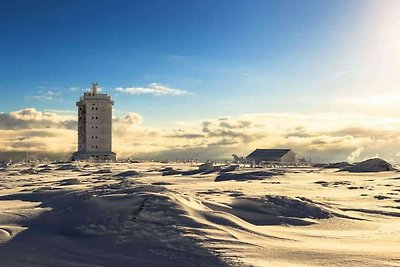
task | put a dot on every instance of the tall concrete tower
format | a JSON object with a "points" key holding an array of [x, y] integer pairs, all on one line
{"points": [[94, 127]]}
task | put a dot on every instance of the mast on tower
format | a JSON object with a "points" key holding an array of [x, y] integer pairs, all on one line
{"points": [[94, 88]]}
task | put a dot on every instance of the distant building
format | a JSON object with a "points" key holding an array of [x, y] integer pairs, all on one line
{"points": [[94, 127], [272, 155]]}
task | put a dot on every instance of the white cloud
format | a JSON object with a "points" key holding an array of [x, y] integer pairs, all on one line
{"points": [[355, 154], [31, 118], [322, 137], [48, 95], [371, 100], [153, 89], [130, 119], [61, 111]]}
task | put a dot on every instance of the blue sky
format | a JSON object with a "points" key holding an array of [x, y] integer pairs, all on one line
{"points": [[229, 58], [227, 53]]}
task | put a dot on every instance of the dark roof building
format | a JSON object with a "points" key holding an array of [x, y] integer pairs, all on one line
{"points": [[272, 155]]}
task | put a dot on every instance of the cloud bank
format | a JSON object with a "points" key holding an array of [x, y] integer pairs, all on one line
{"points": [[153, 89], [322, 137]]}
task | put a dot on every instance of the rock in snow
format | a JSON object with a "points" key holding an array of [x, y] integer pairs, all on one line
{"points": [[370, 165]]}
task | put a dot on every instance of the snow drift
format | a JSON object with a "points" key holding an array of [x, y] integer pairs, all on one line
{"points": [[276, 210], [122, 225], [245, 176], [370, 165]]}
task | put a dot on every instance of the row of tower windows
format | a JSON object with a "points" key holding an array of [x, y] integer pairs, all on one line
{"points": [[94, 127], [92, 146], [102, 157], [94, 137], [99, 105], [95, 118], [96, 108]]}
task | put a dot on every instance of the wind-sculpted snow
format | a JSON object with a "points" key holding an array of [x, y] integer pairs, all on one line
{"points": [[68, 167], [279, 210], [370, 165], [135, 226], [245, 176], [127, 173], [129, 214]]}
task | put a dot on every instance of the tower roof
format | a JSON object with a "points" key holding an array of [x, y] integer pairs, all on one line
{"points": [[93, 94]]}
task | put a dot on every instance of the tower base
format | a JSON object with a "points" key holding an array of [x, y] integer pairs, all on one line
{"points": [[94, 156]]}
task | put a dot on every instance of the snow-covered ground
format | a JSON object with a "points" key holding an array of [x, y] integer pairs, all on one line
{"points": [[130, 214]]}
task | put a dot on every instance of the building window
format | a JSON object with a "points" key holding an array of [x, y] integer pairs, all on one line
{"points": [[96, 118], [97, 108]]}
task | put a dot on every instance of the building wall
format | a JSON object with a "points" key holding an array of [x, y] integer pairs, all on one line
{"points": [[94, 127], [98, 126], [289, 157], [81, 126]]}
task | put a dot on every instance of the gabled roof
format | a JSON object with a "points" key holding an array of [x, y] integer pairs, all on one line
{"points": [[268, 154]]}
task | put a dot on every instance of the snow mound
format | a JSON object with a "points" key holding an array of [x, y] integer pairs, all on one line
{"points": [[277, 210], [170, 171], [68, 167], [337, 165], [72, 181], [28, 171], [229, 168], [127, 173], [44, 168], [245, 176], [135, 225], [207, 166], [102, 171], [370, 165]]}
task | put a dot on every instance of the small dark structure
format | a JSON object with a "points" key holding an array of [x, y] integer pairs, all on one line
{"points": [[272, 156]]}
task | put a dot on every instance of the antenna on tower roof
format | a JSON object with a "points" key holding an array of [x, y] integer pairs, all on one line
{"points": [[94, 88]]}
